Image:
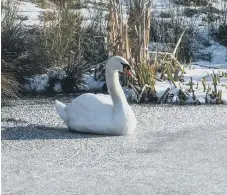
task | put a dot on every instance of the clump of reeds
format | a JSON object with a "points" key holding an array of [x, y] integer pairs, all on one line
{"points": [[130, 38], [204, 83], [216, 93]]}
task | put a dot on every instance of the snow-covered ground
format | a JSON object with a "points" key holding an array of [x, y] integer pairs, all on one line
{"points": [[218, 56], [29, 12], [197, 74], [216, 51], [39, 83]]}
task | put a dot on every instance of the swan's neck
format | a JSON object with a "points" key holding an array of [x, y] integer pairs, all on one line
{"points": [[115, 90]]}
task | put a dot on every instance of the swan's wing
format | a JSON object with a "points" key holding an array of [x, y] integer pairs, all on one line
{"points": [[93, 102], [90, 112]]}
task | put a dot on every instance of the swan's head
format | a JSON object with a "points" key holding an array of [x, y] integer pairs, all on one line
{"points": [[118, 63]]}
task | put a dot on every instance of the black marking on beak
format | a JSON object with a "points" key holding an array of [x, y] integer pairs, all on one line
{"points": [[126, 66]]}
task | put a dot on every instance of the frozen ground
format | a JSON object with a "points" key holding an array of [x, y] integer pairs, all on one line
{"points": [[174, 150]]}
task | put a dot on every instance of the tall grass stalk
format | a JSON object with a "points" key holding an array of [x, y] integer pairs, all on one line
{"points": [[130, 37]]}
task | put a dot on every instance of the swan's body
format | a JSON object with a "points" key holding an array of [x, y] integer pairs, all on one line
{"points": [[101, 114]]}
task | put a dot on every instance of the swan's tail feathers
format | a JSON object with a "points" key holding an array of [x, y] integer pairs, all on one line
{"points": [[62, 112]]}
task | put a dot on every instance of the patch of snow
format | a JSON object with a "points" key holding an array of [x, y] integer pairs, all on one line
{"points": [[197, 74], [217, 51], [91, 83], [38, 83], [130, 94], [161, 5], [30, 11], [218, 55], [57, 87], [83, 87], [57, 73], [161, 88]]}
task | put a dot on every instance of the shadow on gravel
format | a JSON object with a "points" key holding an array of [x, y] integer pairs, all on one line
{"points": [[12, 120], [33, 132]]}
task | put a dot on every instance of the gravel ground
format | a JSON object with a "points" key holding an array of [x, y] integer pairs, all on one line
{"points": [[175, 150]]}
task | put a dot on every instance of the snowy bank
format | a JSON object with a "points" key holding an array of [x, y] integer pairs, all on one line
{"points": [[40, 84]]}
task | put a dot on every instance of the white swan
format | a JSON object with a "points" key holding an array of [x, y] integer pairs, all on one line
{"points": [[102, 114]]}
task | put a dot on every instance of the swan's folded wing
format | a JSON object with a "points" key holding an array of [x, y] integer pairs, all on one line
{"points": [[93, 102], [90, 111]]}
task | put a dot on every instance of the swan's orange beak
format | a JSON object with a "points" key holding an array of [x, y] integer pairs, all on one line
{"points": [[128, 72]]}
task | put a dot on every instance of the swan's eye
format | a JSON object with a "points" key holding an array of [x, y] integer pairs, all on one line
{"points": [[126, 66]]}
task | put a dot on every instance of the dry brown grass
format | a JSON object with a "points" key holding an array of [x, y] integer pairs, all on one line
{"points": [[130, 39], [12, 47], [9, 87], [64, 40]]}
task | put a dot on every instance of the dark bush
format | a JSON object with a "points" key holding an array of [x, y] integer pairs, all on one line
{"points": [[189, 12], [15, 52], [221, 34], [168, 33], [165, 15]]}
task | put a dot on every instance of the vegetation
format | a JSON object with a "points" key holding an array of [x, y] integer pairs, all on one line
{"points": [[62, 41], [65, 40], [15, 62]]}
